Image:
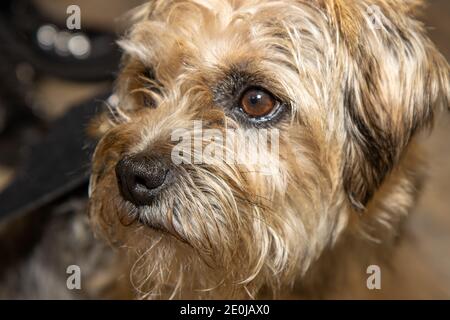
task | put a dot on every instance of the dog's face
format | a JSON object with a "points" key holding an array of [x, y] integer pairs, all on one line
{"points": [[343, 97]]}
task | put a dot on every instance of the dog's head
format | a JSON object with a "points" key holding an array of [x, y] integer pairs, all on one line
{"points": [[325, 95]]}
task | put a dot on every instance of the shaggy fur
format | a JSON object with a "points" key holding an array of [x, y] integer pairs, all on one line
{"points": [[349, 168]]}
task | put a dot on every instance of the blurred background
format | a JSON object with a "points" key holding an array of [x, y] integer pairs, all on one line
{"points": [[45, 69], [48, 71]]}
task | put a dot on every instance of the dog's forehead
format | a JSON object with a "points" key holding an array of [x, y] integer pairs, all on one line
{"points": [[222, 9], [210, 31]]}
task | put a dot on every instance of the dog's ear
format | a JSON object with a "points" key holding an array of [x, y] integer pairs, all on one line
{"points": [[394, 82]]}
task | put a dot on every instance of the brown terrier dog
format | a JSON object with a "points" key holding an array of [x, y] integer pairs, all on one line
{"points": [[347, 83]]}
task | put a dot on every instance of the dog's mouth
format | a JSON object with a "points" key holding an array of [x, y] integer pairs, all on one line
{"points": [[145, 185], [159, 228], [157, 219]]}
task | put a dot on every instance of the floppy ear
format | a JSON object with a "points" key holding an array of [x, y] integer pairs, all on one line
{"points": [[395, 81]]}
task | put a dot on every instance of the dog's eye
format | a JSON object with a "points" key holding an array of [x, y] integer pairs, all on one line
{"points": [[149, 74], [148, 86], [147, 101], [144, 97], [258, 103]]}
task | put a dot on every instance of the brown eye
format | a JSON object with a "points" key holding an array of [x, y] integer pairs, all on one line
{"points": [[147, 100], [143, 98], [148, 86], [258, 103]]}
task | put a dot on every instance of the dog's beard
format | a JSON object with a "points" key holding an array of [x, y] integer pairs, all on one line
{"points": [[219, 230]]}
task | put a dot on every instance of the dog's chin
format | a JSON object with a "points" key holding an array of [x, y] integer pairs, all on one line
{"points": [[159, 225], [154, 226]]}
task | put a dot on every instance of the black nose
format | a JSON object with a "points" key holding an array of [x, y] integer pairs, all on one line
{"points": [[141, 177]]}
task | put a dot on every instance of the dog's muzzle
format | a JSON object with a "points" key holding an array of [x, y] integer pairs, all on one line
{"points": [[141, 177]]}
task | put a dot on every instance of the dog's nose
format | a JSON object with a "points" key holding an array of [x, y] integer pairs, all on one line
{"points": [[141, 177]]}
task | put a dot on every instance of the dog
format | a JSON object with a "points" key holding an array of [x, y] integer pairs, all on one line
{"points": [[347, 84]]}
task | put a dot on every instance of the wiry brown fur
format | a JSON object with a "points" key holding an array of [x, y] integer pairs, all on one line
{"points": [[349, 168]]}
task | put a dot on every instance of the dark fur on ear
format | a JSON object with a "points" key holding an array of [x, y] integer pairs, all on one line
{"points": [[394, 84]]}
